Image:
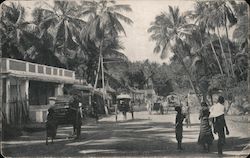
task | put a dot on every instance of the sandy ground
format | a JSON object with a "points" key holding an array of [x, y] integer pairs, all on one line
{"points": [[146, 135]]}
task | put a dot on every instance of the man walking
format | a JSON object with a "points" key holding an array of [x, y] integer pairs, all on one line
{"points": [[219, 123]]}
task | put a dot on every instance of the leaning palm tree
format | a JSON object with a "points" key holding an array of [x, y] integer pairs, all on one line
{"points": [[202, 17], [104, 25], [167, 30], [218, 14]]}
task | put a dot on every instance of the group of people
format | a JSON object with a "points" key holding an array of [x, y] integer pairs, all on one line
{"points": [[212, 121]]}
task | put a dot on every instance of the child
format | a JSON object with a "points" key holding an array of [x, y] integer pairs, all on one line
{"points": [[206, 136], [179, 126]]}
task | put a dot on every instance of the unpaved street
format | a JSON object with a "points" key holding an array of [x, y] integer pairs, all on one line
{"points": [[146, 135]]}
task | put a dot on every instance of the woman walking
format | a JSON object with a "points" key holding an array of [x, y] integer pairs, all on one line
{"points": [[206, 136]]}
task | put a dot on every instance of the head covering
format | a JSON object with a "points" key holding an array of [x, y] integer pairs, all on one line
{"points": [[217, 110]]}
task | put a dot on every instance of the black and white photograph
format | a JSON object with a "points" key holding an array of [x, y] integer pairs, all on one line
{"points": [[125, 78]]}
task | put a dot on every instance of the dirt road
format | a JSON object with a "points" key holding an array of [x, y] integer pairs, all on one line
{"points": [[146, 135]]}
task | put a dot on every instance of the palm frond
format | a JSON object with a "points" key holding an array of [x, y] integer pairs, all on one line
{"points": [[123, 18], [120, 7]]}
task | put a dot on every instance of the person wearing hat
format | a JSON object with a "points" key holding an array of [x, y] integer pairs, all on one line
{"points": [[219, 124]]}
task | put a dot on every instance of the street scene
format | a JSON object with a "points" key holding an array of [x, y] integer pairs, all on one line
{"points": [[144, 136], [124, 78]]}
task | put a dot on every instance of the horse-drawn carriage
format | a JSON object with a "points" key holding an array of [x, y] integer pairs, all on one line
{"points": [[124, 105], [67, 110], [172, 100]]}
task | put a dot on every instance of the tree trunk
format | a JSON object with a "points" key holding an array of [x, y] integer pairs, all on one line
{"points": [[216, 57], [230, 53], [97, 73], [189, 77], [223, 53]]}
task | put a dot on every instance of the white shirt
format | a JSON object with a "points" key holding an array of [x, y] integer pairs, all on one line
{"points": [[217, 110]]}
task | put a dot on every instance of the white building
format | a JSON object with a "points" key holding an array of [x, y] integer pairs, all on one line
{"points": [[27, 86]]}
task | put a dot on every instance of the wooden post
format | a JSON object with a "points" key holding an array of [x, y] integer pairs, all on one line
{"points": [[7, 107]]}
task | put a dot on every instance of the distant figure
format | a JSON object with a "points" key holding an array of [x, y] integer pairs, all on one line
{"points": [[51, 126], [149, 106], [179, 126], [95, 109], [219, 123], [186, 112], [132, 108], [206, 136]]}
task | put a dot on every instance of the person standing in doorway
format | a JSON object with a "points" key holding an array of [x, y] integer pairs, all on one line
{"points": [[219, 124]]}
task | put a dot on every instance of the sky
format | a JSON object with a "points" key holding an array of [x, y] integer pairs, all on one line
{"points": [[137, 43]]}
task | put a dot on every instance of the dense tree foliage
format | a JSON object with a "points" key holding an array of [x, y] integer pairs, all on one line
{"points": [[78, 34]]}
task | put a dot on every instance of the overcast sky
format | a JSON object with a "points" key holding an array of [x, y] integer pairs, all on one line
{"points": [[137, 43]]}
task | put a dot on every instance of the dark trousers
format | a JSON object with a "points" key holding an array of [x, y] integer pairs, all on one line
{"points": [[221, 140]]}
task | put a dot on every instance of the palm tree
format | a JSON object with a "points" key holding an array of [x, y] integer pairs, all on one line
{"points": [[201, 16], [14, 30], [41, 41], [64, 24], [241, 34], [169, 29], [103, 26], [218, 14]]}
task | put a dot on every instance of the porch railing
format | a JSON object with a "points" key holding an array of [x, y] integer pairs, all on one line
{"points": [[28, 68]]}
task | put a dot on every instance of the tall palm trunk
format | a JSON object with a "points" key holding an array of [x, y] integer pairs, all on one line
{"points": [[98, 70], [223, 53], [216, 57], [228, 47], [215, 54], [189, 76], [230, 53]]}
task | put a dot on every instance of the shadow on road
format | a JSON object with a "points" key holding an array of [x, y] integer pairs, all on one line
{"points": [[138, 137]]}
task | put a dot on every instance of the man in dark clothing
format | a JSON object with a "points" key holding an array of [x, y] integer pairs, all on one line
{"points": [[179, 126]]}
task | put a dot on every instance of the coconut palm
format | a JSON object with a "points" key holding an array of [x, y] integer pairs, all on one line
{"points": [[241, 35], [200, 15], [41, 41], [167, 30], [14, 30], [104, 25], [64, 25], [217, 15]]}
